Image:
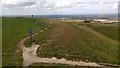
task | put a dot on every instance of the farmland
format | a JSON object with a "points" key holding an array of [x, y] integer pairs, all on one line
{"points": [[86, 42], [14, 29]]}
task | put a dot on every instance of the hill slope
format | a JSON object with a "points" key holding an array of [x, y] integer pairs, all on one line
{"points": [[77, 42]]}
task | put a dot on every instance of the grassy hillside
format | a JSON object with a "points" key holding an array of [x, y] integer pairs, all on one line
{"points": [[109, 30], [78, 42], [13, 30]]}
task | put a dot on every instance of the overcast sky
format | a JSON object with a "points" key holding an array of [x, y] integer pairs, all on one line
{"points": [[58, 7]]}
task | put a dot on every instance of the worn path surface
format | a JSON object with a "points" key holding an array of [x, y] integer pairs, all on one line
{"points": [[30, 55]]}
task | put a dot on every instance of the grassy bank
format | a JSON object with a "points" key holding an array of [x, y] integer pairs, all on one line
{"points": [[108, 30], [13, 30]]}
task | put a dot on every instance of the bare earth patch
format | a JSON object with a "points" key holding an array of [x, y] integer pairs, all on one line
{"points": [[30, 56]]}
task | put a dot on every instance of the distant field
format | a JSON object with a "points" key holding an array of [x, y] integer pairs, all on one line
{"points": [[13, 30], [79, 42]]}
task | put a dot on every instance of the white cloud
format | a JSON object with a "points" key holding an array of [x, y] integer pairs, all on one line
{"points": [[63, 4], [101, 3], [9, 1], [115, 6], [102, 8]]}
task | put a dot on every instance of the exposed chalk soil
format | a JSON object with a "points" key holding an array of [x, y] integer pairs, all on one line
{"points": [[30, 56]]}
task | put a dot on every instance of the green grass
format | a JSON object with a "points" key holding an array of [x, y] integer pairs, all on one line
{"points": [[47, 64], [109, 30], [52, 65], [42, 37], [13, 30], [77, 42], [0, 41]]}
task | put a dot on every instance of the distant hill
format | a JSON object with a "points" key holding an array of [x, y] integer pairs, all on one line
{"points": [[86, 16]]}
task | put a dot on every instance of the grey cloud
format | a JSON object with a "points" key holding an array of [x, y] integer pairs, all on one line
{"points": [[19, 5], [26, 3]]}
